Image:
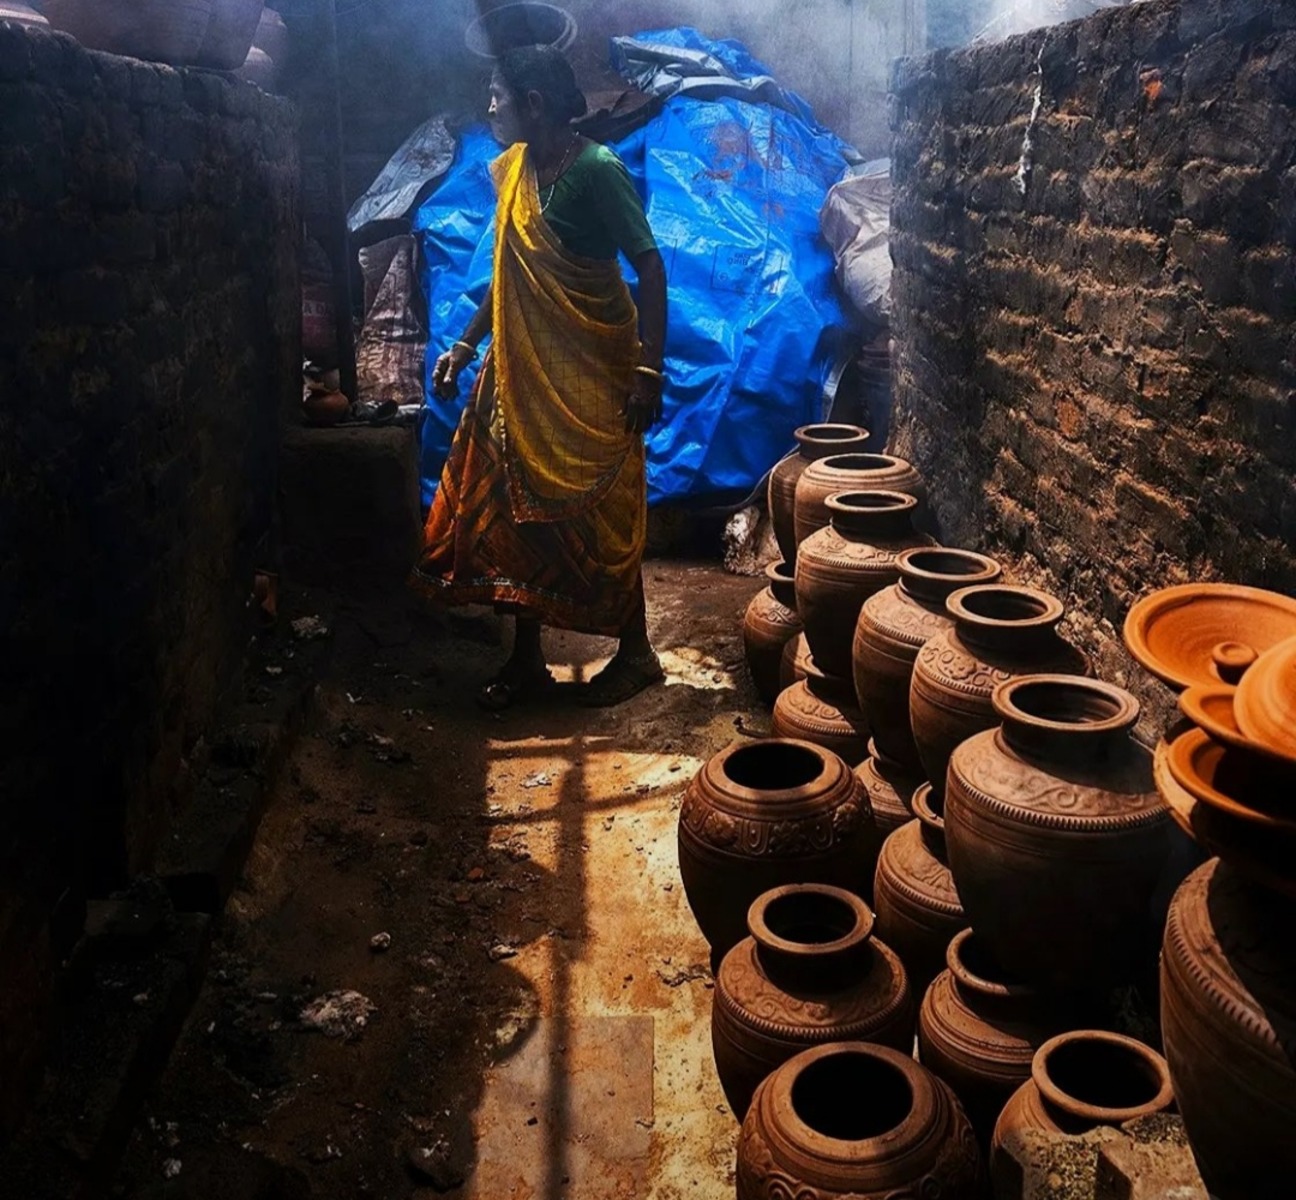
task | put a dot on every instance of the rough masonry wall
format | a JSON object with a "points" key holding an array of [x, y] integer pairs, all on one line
{"points": [[149, 340], [1095, 302]]}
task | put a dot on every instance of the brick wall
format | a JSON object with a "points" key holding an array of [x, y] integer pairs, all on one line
{"points": [[149, 314], [1097, 374]]}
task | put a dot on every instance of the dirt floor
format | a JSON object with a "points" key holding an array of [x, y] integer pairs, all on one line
{"points": [[501, 891]]}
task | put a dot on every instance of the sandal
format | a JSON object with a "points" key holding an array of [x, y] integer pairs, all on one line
{"points": [[621, 679], [509, 689]]}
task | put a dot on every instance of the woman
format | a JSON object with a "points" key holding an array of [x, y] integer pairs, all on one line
{"points": [[542, 506]]}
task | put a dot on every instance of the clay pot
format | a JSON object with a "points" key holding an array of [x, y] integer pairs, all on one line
{"points": [[853, 472], [999, 632], [842, 565], [1228, 1019], [856, 1120], [168, 31], [1080, 1081], [229, 34], [889, 787], [794, 666], [763, 814], [892, 627], [979, 1028], [325, 408], [21, 14], [822, 710], [509, 26], [271, 37], [810, 973], [1057, 837], [813, 442], [917, 905], [769, 623]]}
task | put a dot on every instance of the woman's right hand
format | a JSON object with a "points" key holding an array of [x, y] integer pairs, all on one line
{"points": [[445, 372]]}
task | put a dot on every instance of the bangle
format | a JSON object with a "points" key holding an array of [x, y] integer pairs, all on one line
{"points": [[652, 372], [472, 350]]}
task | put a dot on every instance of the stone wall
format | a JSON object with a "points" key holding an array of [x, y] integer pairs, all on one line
{"points": [[1095, 301], [149, 341]]}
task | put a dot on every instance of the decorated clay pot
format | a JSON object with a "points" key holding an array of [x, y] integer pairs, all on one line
{"points": [[979, 1028], [1079, 1081], [811, 972], [853, 472], [893, 625], [822, 710], [229, 33], [769, 623], [889, 788], [917, 905], [857, 1120], [1057, 836], [1228, 1019], [846, 562], [999, 632], [794, 666], [813, 442], [763, 814], [169, 31]]}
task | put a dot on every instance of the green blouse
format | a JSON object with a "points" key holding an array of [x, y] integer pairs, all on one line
{"points": [[594, 209]]}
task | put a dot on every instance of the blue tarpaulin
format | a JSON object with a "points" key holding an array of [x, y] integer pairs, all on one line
{"points": [[733, 191]]}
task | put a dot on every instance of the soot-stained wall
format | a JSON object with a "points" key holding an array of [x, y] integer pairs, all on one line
{"points": [[1095, 301], [149, 341]]}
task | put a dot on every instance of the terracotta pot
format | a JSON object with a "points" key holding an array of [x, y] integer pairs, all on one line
{"points": [[763, 814], [979, 1028], [822, 710], [1057, 836], [813, 442], [795, 663], [769, 623], [1228, 1019], [229, 34], [889, 788], [810, 973], [325, 408], [854, 472], [169, 31], [842, 565], [999, 632], [510, 26], [892, 627], [271, 37], [917, 905], [1080, 1081], [856, 1120], [21, 14]]}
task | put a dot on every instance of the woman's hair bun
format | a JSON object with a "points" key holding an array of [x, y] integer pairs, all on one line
{"points": [[545, 70]]}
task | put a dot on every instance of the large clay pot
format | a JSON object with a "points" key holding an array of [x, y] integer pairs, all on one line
{"points": [[843, 564], [763, 814], [853, 472], [1228, 1019], [1057, 836], [229, 33], [822, 709], [892, 627], [794, 666], [769, 623], [169, 31], [1079, 1081], [999, 632], [811, 972], [21, 14], [979, 1028], [813, 442], [856, 1120], [917, 905], [889, 787]]}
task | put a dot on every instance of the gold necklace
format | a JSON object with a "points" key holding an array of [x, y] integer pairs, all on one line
{"points": [[562, 167]]}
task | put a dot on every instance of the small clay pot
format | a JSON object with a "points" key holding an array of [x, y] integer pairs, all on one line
{"points": [[794, 666], [325, 408], [889, 787], [1056, 834], [842, 565], [1080, 1081], [893, 625], [822, 709], [917, 905], [979, 1028], [1228, 1019], [811, 972], [769, 623], [999, 632], [813, 442], [853, 472], [762, 814], [857, 1120]]}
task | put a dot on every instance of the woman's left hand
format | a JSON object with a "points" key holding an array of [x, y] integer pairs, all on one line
{"points": [[644, 404]]}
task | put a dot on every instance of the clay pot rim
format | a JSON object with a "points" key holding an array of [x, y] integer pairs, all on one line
{"points": [[855, 502], [990, 571], [877, 461], [779, 572], [764, 936], [1098, 1114], [813, 435], [966, 978], [1006, 707], [1053, 608], [920, 806], [1211, 709], [828, 770], [1194, 760]]}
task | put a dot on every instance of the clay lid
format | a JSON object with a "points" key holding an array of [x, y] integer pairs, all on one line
{"points": [[1212, 709], [1265, 702], [1231, 782], [1206, 632]]}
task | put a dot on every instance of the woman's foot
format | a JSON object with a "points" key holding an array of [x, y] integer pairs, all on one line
{"points": [[628, 674], [515, 684]]}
